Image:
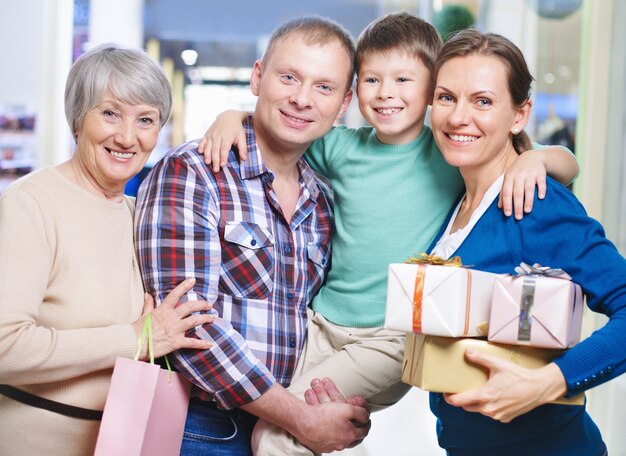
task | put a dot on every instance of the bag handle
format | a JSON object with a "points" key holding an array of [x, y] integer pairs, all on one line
{"points": [[146, 333]]}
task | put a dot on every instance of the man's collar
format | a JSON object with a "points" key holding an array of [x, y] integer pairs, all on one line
{"points": [[254, 165]]}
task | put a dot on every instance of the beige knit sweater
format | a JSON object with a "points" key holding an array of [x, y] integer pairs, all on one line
{"points": [[69, 287]]}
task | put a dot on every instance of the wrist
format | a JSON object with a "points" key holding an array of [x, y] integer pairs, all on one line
{"points": [[553, 382]]}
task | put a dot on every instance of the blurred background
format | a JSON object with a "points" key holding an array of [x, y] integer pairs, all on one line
{"points": [[576, 50]]}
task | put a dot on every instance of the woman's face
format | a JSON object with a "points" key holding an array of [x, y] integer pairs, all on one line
{"points": [[473, 114], [115, 141]]}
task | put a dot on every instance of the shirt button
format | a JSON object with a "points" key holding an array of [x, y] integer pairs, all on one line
{"points": [[289, 295], [292, 342], [253, 242], [287, 249], [323, 261]]}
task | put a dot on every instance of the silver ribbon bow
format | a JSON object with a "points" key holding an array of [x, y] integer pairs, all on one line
{"points": [[537, 270]]}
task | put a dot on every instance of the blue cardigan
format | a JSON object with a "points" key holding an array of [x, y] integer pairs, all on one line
{"points": [[558, 233]]}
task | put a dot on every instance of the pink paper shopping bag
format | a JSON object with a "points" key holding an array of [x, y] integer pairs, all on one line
{"points": [[145, 410]]}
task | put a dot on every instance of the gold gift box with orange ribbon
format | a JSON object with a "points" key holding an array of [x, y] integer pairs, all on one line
{"points": [[438, 297], [438, 364]]}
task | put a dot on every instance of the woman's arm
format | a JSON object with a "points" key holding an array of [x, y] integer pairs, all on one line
{"points": [[33, 352]]}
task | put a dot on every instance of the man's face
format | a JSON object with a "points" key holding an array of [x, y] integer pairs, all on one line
{"points": [[302, 89]]}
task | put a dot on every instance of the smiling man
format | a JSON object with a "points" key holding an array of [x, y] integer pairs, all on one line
{"points": [[256, 236]]}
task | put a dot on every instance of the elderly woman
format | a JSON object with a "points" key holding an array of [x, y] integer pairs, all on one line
{"points": [[71, 296], [480, 108]]}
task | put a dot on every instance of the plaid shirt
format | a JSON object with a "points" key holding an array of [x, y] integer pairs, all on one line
{"points": [[259, 272]]}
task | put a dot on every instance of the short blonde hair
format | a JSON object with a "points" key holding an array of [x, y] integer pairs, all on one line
{"points": [[314, 30]]}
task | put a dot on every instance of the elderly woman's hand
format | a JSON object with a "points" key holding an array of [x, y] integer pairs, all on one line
{"points": [[511, 390], [170, 322]]}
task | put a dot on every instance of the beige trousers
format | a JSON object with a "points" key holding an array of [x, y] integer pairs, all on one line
{"points": [[361, 361]]}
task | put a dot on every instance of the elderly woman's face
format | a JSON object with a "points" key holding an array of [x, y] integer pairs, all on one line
{"points": [[473, 113], [116, 139]]}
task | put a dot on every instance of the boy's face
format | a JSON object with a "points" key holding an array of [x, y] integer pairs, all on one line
{"points": [[393, 89]]}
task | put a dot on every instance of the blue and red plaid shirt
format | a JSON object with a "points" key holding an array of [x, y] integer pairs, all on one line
{"points": [[259, 272]]}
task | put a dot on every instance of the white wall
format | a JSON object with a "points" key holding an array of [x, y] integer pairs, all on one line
{"points": [[35, 51]]}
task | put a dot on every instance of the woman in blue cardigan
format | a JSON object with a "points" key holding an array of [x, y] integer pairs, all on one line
{"points": [[481, 105]]}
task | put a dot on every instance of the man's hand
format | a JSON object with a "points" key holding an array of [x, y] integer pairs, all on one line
{"points": [[323, 428]]}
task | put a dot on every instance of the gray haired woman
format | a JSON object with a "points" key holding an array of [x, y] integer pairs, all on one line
{"points": [[71, 297]]}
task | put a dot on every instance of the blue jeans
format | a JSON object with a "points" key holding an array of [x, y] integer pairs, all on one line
{"points": [[209, 431]]}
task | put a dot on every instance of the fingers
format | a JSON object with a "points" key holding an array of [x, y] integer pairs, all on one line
{"points": [[331, 389], [311, 398], [189, 307], [358, 401], [320, 391], [242, 146], [506, 197], [178, 292], [360, 415], [466, 400], [224, 152], [477, 357], [518, 199], [201, 146], [217, 148], [541, 188], [195, 320], [194, 343]]}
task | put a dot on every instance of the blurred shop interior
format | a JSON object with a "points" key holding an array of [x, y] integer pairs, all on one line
{"points": [[576, 50]]}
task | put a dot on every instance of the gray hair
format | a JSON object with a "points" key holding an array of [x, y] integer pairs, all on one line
{"points": [[130, 74]]}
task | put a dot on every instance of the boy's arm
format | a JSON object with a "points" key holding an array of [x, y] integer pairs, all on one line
{"points": [[227, 131], [529, 172]]}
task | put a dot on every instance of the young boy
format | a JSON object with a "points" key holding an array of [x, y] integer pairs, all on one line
{"points": [[392, 191]]}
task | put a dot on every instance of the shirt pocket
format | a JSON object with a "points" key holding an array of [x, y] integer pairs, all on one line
{"points": [[247, 260], [318, 260]]}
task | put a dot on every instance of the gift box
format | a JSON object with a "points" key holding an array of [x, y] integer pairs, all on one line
{"points": [[541, 307], [438, 364], [438, 300]]}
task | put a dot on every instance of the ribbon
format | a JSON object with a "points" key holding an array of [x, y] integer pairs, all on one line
{"points": [[530, 273], [435, 260], [146, 333], [536, 270], [418, 290]]}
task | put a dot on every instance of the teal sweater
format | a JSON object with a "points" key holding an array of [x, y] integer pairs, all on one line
{"points": [[390, 201]]}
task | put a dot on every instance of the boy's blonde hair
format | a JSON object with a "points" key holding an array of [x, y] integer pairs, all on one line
{"points": [[400, 31]]}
